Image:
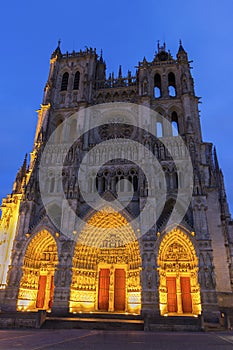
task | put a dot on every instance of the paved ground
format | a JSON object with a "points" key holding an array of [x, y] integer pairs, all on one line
{"points": [[106, 340]]}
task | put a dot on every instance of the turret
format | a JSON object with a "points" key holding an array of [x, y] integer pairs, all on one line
{"points": [[182, 56], [56, 55], [20, 179], [101, 68]]}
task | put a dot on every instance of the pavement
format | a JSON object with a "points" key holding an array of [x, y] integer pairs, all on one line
{"points": [[79, 339]]}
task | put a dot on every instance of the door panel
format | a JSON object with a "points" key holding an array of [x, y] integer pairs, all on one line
{"points": [[104, 281], [171, 294], [119, 290], [51, 292], [41, 292], [186, 294]]}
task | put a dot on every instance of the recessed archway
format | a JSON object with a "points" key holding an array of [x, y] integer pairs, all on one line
{"points": [[106, 266], [179, 290], [37, 282]]}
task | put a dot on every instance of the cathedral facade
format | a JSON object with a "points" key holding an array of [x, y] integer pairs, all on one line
{"points": [[109, 264]]}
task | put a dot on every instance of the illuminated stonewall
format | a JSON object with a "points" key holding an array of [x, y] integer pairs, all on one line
{"points": [[115, 262]]}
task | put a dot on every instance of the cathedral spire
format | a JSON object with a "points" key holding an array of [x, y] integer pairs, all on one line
{"points": [[181, 49], [101, 56], [20, 177], [24, 166], [182, 54], [57, 52], [216, 160], [120, 72]]}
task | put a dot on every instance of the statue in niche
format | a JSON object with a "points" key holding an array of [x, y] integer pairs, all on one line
{"points": [[149, 277], [14, 276], [145, 87], [161, 151], [189, 125], [209, 282]]}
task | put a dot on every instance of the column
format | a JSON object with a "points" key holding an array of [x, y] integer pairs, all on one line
{"points": [[178, 295], [111, 290]]}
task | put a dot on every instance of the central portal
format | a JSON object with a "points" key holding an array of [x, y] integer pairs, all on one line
{"points": [[112, 284], [106, 266]]}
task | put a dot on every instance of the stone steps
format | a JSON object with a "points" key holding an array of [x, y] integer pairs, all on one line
{"points": [[95, 321], [105, 321], [16, 319], [173, 323]]}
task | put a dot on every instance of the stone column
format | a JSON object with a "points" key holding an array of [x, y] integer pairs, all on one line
{"points": [[12, 289], [207, 282], [62, 281], [149, 278]]}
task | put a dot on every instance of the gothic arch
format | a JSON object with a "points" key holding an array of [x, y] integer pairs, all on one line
{"points": [[160, 111], [179, 290], [180, 117], [187, 222], [37, 282], [76, 80], [157, 85], [64, 81], [172, 84], [106, 255]]}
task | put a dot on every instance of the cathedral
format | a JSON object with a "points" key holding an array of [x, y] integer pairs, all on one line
{"points": [[121, 208]]}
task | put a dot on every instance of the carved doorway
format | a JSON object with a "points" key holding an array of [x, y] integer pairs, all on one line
{"points": [[179, 290], [106, 266], [37, 282]]}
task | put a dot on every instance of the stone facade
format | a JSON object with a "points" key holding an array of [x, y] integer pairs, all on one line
{"points": [[196, 253]]}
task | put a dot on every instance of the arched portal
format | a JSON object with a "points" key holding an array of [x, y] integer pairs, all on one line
{"points": [[179, 290], [106, 266], [37, 282]]}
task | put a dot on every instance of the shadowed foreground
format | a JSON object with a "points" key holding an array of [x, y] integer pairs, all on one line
{"points": [[101, 340]]}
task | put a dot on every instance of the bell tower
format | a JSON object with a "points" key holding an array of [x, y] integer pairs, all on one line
{"points": [[169, 86]]}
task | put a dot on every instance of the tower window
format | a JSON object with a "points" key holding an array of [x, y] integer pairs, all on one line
{"points": [[175, 126], [171, 84], [76, 81], [159, 129], [157, 86], [64, 82]]}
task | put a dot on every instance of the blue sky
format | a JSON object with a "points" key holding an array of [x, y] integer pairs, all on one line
{"points": [[126, 31]]}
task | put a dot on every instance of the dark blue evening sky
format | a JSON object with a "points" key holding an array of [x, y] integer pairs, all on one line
{"points": [[126, 31]]}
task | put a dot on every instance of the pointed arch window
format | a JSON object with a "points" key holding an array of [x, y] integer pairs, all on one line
{"points": [[157, 86], [76, 81], [175, 125], [64, 82], [159, 129], [171, 84]]}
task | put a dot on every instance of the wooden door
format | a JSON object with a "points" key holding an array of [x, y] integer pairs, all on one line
{"points": [[104, 281], [119, 290], [51, 292], [186, 294], [171, 294], [41, 292]]}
